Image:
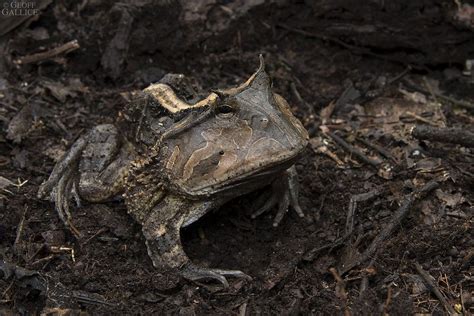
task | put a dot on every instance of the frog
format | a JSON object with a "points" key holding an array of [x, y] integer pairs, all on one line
{"points": [[173, 155]]}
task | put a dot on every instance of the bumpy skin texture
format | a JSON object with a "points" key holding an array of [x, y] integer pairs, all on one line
{"points": [[176, 158]]}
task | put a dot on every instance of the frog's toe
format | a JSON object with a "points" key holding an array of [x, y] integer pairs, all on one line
{"points": [[293, 188], [194, 273], [269, 203], [284, 194], [283, 205], [61, 195]]}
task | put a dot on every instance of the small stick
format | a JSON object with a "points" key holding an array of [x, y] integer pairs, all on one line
{"points": [[444, 135], [421, 119], [308, 256], [20, 228], [461, 103], [399, 215], [90, 299], [43, 260], [364, 283], [63, 49], [324, 150], [340, 289], [6, 291], [300, 99], [429, 282], [354, 49], [311, 254], [100, 231], [400, 75], [388, 301], [378, 148], [353, 205], [352, 150]]}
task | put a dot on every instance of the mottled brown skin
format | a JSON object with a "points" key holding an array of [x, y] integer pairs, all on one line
{"points": [[175, 159]]}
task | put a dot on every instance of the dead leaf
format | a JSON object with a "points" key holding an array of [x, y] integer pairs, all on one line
{"points": [[430, 216], [449, 199], [59, 91], [413, 96], [24, 122], [426, 165], [326, 112], [54, 152]]}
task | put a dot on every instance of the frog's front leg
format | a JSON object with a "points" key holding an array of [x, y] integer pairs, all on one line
{"points": [[93, 169], [284, 193], [162, 233]]}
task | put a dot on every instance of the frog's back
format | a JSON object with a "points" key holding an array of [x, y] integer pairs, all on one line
{"points": [[144, 119]]}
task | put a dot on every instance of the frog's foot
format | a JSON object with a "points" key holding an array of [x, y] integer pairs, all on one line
{"points": [[92, 170], [194, 273], [62, 183], [161, 229], [284, 194]]}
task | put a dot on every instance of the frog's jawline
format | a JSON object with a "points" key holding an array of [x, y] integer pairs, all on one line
{"points": [[267, 173]]}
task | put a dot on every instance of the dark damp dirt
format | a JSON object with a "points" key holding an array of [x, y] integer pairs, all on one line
{"points": [[365, 73]]}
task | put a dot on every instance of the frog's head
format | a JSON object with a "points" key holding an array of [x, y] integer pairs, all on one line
{"points": [[244, 137]]}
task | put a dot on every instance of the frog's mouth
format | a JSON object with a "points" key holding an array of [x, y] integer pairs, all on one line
{"points": [[245, 179]]}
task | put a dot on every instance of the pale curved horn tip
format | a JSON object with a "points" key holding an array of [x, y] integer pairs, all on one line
{"points": [[262, 62]]}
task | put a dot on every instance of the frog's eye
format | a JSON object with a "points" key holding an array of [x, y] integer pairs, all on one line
{"points": [[224, 109]]}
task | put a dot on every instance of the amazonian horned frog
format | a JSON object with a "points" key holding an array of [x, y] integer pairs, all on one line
{"points": [[175, 159]]}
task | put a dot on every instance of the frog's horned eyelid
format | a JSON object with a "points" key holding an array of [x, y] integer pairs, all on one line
{"points": [[165, 95], [168, 99], [243, 86]]}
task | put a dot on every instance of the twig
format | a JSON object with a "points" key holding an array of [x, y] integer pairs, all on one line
{"points": [[444, 135], [325, 150], [19, 230], [6, 290], [311, 254], [364, 283], [429, 282], [399, 215], [43, 260], [90, 298], [378, 148], [400, 75], [461, 103], [297, 94], [100, 231], [420, 118], [59, 249], [63, 49], [243, 309], [340, 289], [353, 205], [354, 49], [388, 301], [349, 148]]}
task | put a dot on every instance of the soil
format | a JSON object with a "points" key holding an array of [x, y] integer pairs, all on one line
{"points": [[365, 73]]}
